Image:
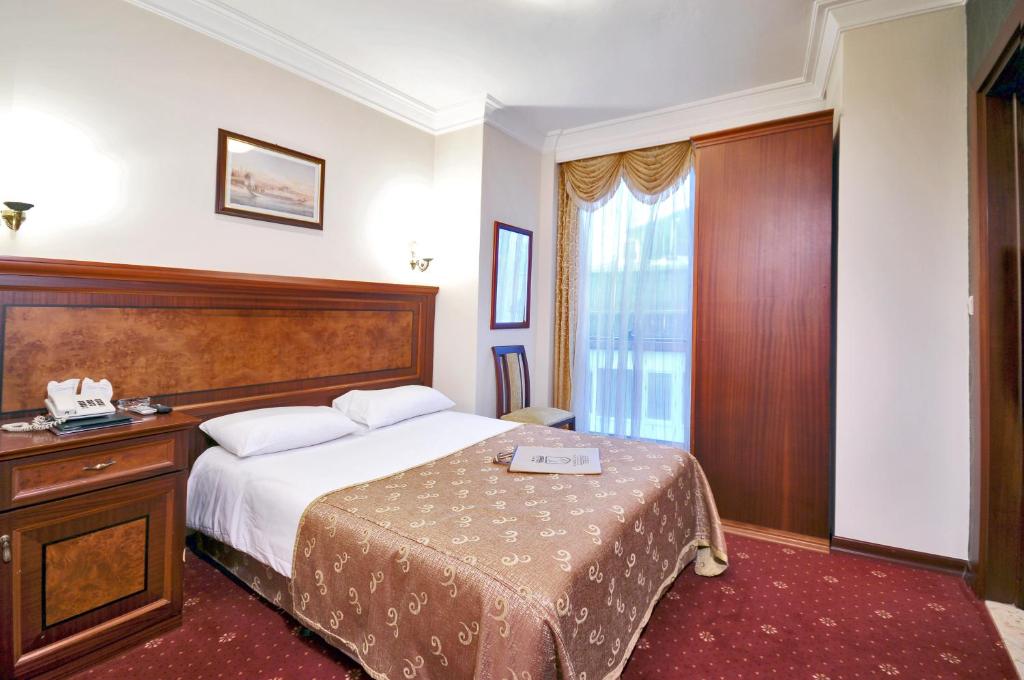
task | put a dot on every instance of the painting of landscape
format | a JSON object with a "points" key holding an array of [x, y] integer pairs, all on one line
{"points": [[266, 182]]}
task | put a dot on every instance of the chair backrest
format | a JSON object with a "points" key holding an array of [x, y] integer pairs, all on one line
{"points": [[513, 378]]}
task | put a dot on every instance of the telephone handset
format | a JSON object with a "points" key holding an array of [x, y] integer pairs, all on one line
{"points": [[65, 402]]}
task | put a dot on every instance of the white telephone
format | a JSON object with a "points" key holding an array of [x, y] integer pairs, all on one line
{"points": [[65, 402]]}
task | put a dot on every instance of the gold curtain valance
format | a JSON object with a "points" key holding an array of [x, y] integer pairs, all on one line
{"points": [[589, 182]]}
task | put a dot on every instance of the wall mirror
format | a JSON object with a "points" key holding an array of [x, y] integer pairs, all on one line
{"points": [[510, 276]]}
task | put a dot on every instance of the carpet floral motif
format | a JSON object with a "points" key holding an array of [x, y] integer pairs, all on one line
{"points": [[838, 617]]}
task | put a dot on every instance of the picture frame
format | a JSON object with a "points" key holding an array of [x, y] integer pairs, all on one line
{"points": [[511, 276], [263, 181]]}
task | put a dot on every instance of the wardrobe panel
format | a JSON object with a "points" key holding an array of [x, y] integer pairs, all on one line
{"points": [[763, 329]]}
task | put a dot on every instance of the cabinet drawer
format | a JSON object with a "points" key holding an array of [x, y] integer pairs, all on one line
{"points": [[89, 574], [42, 478]]}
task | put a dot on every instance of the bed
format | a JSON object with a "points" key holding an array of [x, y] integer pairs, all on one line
{"points": [[405, 547], [412, 551]]}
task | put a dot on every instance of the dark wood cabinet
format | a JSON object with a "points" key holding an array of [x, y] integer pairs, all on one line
{"points": [[92, 533], [763, 325]]}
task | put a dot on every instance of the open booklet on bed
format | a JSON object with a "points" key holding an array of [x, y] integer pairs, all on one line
{"points": [[555, 460]]}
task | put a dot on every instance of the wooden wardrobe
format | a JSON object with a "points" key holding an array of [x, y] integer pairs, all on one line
{"points": [[763, 323]]}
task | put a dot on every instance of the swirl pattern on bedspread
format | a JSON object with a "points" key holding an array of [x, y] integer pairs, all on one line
{"points": [[460, 569]]}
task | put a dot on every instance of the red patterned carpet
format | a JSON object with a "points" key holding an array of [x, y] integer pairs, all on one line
{"points": [[777, 611]]}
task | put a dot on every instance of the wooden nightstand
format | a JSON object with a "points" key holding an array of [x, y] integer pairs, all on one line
{"points": [[91, 542]]}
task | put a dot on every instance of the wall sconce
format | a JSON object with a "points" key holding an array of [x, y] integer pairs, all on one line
{"points": [[15, 214], [421, 263]]}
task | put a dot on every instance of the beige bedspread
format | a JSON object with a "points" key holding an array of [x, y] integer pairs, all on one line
{"points": [[460, 569]]}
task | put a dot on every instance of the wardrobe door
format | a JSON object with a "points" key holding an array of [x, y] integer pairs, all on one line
{"points": [[762, 394]]}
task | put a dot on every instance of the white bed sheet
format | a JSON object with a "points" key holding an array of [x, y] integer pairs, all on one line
{"points": [[255, 504]]}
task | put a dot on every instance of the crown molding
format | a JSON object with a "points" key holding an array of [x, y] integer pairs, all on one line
{"points": [[221, 22], [459, 116], [805, 94], [509, 121], [830, 18], [736, 109]]}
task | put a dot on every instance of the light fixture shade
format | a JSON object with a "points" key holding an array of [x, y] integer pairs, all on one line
{"points": [[14, 216]]}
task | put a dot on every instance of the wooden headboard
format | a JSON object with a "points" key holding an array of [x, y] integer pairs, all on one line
{"points": [[205, 342]]}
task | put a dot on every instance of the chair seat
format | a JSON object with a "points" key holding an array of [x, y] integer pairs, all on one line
{"points": [[538, 415]]}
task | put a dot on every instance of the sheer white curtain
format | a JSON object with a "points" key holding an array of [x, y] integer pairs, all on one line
{"points": [[632, 359]]}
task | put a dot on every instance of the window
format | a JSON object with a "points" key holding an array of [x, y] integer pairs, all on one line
{"points": [[657, 407], [635, 304]]}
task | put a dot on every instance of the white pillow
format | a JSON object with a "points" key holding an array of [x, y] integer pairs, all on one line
{"points": [[377, 408], [269, 430]]}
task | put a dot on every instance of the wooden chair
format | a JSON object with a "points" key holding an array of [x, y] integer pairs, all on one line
{"points": [[513, 382]]}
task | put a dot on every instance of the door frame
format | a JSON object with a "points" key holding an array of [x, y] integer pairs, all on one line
{"points": [[995, 565]]}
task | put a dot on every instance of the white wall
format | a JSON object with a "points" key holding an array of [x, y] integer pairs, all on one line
{"points": [[902, 447], [108, 123], [113, 118], [112, 113], [510, 194], [544, 267], [458, 164], [834, 86]]}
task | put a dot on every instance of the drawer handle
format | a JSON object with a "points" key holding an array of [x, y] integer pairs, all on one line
{"points": [[99, 466], [5, 548]]}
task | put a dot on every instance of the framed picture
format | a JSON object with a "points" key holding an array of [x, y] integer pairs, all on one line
{"points": [[263, 181], [511, 270]]}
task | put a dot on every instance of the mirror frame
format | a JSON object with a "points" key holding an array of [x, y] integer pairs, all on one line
{"points": [[498, 228]]}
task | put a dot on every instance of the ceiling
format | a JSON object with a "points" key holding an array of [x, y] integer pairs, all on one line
{"points": [[537, 67], [560, 63]]}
